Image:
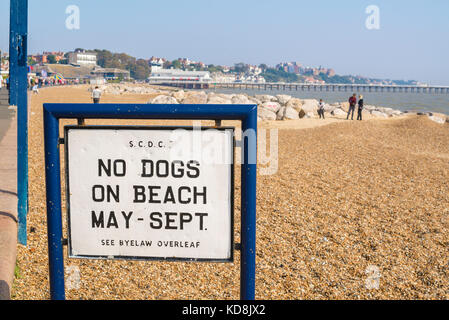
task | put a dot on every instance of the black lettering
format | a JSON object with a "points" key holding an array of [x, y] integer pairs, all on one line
{"points": [[180, 195], [168, 220], [157, 218], [197, 194], [127, 218], [112, 221], [194, 171], [169, 196], [97, 222], [184, 218], [98, 193], [118, 173], [145, 174], [102, 167], [139, 194], [119, 168], [201, 215], [110, 192], [177, 173], [153, 194], [159, 165]]}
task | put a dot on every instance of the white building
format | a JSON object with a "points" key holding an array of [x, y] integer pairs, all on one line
{"points": [[223, 78], [83, 58], [155, 67], [169, 75]]}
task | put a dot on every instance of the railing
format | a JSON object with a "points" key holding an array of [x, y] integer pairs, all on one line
{"points": [[303, 86]]}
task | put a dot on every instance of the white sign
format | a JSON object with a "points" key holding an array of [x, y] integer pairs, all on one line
{"points": [[150, 193]]}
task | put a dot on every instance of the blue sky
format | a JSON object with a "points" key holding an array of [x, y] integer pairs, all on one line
{"points": [[412, 42]]}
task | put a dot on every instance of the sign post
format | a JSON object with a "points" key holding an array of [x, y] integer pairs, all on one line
{"points": [[18, 83], [149, 204]]}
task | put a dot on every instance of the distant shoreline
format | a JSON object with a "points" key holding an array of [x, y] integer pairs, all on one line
{"points": [[397, 107]]}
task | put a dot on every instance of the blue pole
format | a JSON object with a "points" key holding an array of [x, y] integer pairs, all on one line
{"points": [[248, 205], [18, 81], [54, 216]]}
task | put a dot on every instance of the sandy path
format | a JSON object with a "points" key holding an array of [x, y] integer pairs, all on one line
{"points": [[349, 197]]}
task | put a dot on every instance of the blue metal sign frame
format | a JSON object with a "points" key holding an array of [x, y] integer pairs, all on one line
{"points": [[247, 114]]}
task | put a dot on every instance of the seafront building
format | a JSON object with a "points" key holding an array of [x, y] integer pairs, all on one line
{"points": [[82, 65], [111, 73], [169, 75], [158, 75], [73, 72], [44, 57], [83, 58]]}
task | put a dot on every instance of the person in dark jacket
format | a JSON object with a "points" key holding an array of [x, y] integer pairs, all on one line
{"points": [[321, 109], [352, 103], [360, 108]]}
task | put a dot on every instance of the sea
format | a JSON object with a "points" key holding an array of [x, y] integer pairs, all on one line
{"points": [[418, 102]]}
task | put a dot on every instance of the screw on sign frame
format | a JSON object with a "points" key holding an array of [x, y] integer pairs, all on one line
{"points": [[247, 114]]}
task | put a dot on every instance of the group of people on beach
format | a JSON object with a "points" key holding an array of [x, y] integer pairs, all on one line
{"points": [[352, 103]]}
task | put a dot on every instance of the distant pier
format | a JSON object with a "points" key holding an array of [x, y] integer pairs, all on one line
{"points": [[304, 87]]}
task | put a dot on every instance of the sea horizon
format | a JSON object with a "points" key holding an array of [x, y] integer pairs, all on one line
{"points": [[403, 101]]}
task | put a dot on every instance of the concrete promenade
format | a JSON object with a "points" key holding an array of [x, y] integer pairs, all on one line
{"points": [[8, 205]]}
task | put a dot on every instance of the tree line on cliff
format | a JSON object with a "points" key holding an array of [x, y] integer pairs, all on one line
{"points": [[139, 68]]}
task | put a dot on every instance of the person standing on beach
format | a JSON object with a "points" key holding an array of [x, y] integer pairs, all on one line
{"points": [[360, 108], [35, 89], [352, 103], [96, 94], [321, 109]]}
